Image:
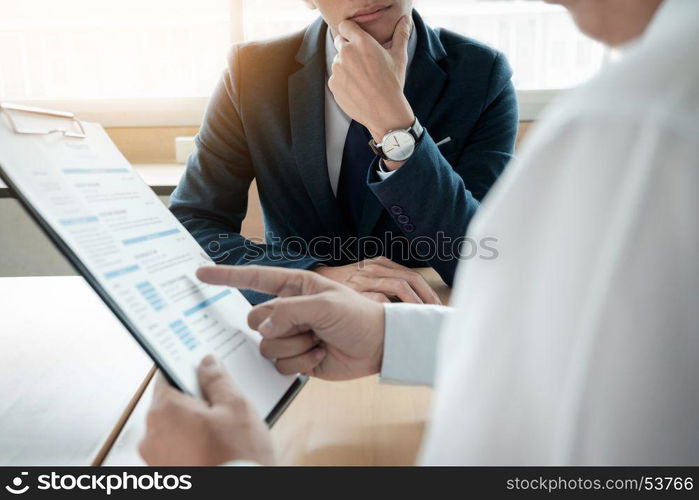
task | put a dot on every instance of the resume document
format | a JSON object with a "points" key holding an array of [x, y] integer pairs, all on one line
{"points": [[139, 258]]}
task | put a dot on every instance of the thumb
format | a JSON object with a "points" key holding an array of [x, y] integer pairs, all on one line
{"points": [[216, 385], [401, 37]]}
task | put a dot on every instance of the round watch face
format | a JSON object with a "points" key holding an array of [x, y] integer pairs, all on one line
{"points": [[398, 145]]}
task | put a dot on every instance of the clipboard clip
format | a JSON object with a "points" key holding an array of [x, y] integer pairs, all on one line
{"points": [[16, 108]]}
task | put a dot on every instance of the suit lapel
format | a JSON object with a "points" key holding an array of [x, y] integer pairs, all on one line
{"points": [[426, 78], [307, 120], [424, 84]]}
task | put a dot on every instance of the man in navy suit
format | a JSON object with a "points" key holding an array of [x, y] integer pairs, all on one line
{"points": [[373, 139]]}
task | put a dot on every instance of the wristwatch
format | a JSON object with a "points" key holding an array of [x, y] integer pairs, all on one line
{"points": [[398, 145]]}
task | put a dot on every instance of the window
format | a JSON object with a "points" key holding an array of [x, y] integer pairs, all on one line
{"points": [[542, 44], [86, 49], [154, 62], [271, 18]]}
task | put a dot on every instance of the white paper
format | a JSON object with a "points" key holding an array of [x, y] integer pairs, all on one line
{"points": [[141, 255]]}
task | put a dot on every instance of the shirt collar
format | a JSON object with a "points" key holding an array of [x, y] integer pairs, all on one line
{"points": [[331, 51]]}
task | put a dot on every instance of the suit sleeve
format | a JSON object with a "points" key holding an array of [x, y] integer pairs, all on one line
{"points": [[211, 199], [433, 201]]}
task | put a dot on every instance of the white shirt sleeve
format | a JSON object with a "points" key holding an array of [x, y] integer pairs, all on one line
{"points": [[410, 345], [384, 174]]}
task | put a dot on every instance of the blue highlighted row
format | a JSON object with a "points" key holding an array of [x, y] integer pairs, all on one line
{"points": [[148, 237], [78, 220], [94, 170], [121, 272], [184, 334], [206, 303], [151, 295]]}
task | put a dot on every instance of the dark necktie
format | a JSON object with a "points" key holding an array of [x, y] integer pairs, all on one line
{"points": [[352, 187]]}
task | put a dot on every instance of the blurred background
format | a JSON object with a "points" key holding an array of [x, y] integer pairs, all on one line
{"points": [[144, 69], [154, 62]]}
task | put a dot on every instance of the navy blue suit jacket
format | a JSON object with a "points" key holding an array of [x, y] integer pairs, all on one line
{"points": [[265, 122]]}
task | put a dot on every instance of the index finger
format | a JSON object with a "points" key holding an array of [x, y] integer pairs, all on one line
{"points": [[339, 41], [272, 280], [351, 31]]}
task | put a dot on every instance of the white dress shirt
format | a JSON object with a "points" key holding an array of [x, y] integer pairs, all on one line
{"points": [[337, 123], [579, 344]]}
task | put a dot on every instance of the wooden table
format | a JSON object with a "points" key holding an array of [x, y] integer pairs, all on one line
{"points": [[360, 422], [81, 391]]}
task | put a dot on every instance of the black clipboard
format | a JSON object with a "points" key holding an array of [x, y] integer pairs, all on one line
{"points": [[78, 133]]}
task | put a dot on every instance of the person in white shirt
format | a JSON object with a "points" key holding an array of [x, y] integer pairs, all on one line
{"points": [[579, 345]]}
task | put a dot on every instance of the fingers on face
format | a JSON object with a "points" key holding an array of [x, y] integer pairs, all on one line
{"points": [[351, 31], [340, 68], [401, 34], [340, 42]]}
